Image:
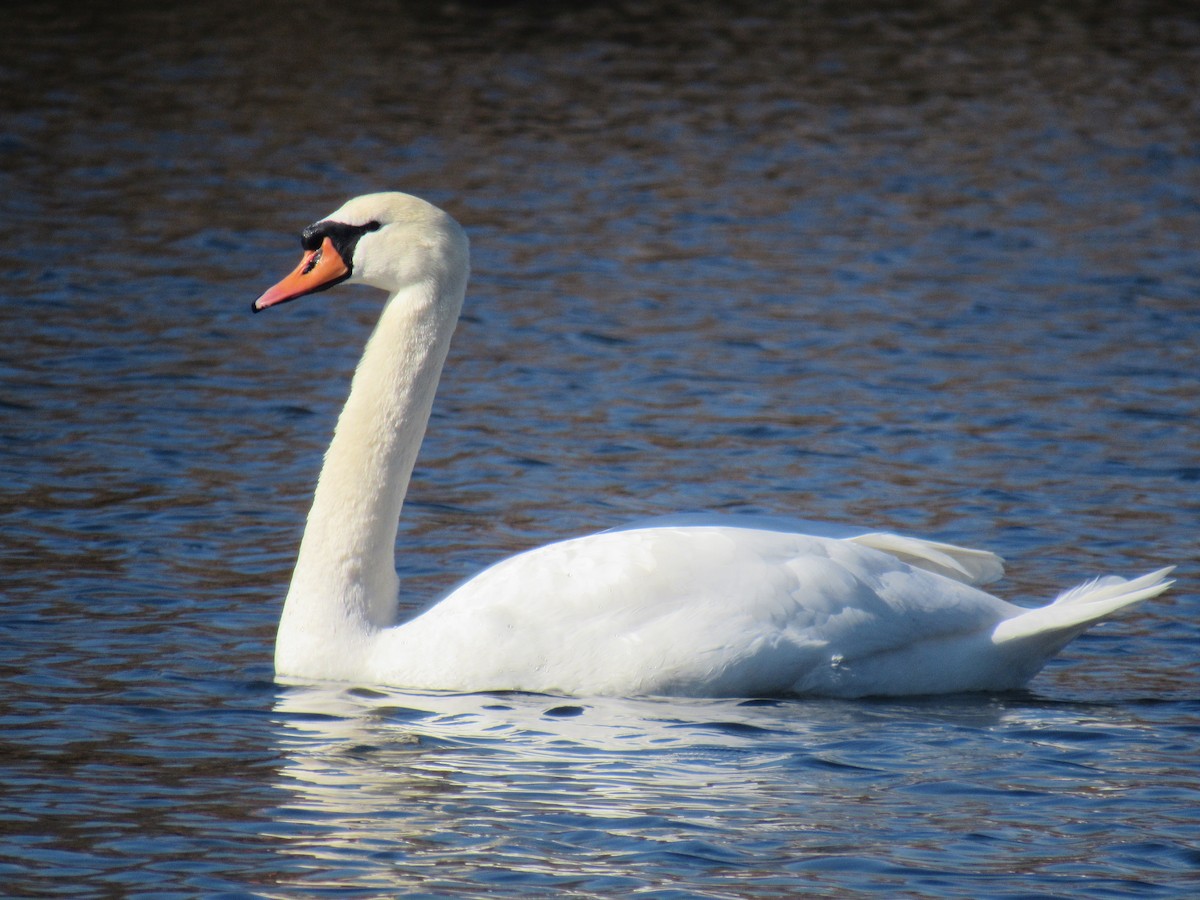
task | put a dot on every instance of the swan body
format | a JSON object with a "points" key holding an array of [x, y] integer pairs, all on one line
{"points": [[687, 605]]}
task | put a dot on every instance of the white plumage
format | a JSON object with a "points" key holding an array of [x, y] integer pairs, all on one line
{"points": [[697, 606]]}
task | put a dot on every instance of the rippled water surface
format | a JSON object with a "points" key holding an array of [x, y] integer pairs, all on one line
{"points": [[931, 267]]}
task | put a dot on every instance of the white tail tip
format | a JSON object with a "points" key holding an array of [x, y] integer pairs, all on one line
{"points": [[1082, 606]]}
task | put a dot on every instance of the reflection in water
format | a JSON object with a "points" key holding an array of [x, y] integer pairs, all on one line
{"points": [[522, 780], [446, 792]]}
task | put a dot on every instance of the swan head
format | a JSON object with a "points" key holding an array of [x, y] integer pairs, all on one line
{"points": [[388, 240]]}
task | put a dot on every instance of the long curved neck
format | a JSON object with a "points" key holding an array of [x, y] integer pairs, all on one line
{"points": [[344, 586]]}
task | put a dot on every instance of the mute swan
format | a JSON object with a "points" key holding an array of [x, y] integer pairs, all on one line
{"points": [[693, 606]]}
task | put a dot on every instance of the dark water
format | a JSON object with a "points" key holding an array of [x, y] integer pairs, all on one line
{"points": [[933, 268]]}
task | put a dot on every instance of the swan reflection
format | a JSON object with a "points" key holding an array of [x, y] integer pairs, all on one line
{"points": [[394, 788]]}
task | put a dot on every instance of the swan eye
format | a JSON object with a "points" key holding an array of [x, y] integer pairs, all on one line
{"points": [[343, 236]]}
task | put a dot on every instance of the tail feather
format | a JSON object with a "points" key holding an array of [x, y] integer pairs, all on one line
{"points": [[1081, 607]]}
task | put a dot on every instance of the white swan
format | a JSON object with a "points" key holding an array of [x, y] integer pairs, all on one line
{"points": [[684, 606]]}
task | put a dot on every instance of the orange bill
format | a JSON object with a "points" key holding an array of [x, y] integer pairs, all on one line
{"points": [[319, 269]]}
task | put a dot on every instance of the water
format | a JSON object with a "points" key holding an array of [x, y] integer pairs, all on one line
{"points": [[931, 269]]}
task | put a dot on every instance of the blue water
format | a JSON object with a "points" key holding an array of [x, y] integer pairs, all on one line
{"points": [[929, 268]]}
